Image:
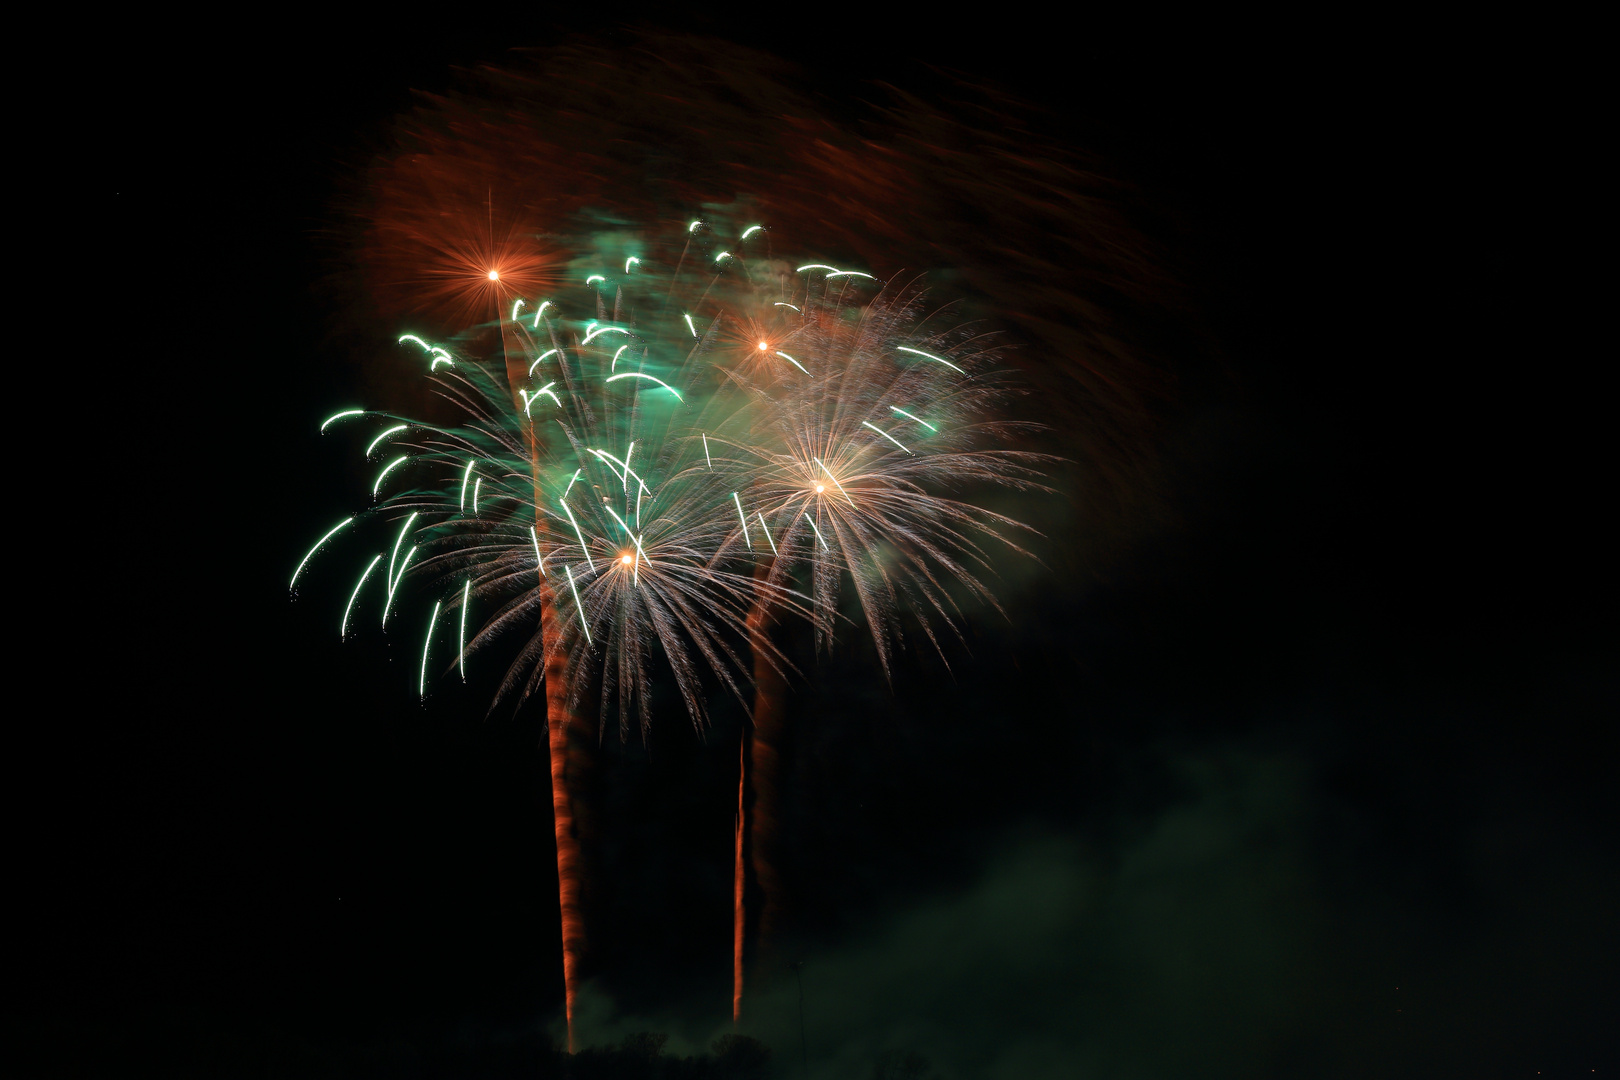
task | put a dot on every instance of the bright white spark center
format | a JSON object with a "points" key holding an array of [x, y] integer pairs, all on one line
{"points": [[762, 346], [625, 559], [494, 275], [820, 488]]}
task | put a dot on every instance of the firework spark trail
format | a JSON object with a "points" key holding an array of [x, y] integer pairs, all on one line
{"points": [[660, 586], [857, 504]]}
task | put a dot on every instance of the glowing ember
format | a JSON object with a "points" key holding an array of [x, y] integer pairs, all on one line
{"points": [[494, 275]]}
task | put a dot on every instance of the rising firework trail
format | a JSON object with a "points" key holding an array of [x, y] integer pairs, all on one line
{"points": [[580, 506]]}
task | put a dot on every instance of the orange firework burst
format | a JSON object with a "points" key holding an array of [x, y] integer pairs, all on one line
{"points": [[456, 240]]}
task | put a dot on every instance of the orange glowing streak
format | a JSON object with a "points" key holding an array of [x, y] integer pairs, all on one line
{"points": [[567, 746], [739, 911]]}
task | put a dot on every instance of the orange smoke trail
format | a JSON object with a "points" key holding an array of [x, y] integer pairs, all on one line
{"points": [[739, 910], [760, 772], [568, 737]]}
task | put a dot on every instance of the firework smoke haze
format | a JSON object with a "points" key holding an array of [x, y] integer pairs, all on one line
{"points": [[648, 131]]}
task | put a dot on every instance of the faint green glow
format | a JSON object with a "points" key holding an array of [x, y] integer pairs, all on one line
{"points": [[628, 531], [930, 356], [393, 589], [391, 431], [689, 325], [751, 230], [817, 531], [316, 548], [795, 307], [343, 627], [583, 625], [341, 415], [421, 686], [515, 307], [649, 378], [919, 419], [706, 457], [631, 261], [579, 534], [541, 357], [834, 479], [795, 363], [392, 465], [395, 553], [814, 266], [461, 654], [744, 519], [462, 506], [886, 435], [766, 530]]}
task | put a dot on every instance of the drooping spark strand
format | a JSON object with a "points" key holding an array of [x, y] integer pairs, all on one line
{"points": [[751, 230], [814, 266], [795, 363], [461, 643], [542, 356], [540, 560], [649, 378], [919, 419], [600, 330], [578, 533], [641, 556], [462, 506], [515, 307], [930, 356], [689, 325], [392, 465], [594, 278], [631, 261], [343, 627], [849, 273], [341, 415], [793, 306], [583, 625], [421, 686], [541, 311], [316, 548], [834, 479], [396, 429], [886, 435], [743, 518], [766, 530], [478, 486], [692, 228], [393, 588], [619, 352], [395, 554], [628, 531], [817, 531], [570, 486], [706, 457]]}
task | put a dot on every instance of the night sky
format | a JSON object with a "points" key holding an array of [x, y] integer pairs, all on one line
{"points": [[1292, 760]]}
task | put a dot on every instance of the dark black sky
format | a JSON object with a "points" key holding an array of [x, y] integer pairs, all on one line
{"points": [[1307, 775]]}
